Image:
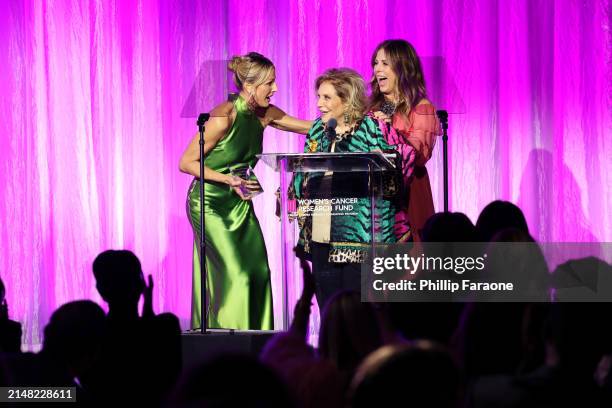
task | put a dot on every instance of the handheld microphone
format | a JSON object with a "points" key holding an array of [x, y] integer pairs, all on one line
{"points": [[330, 128], [388, 108]]}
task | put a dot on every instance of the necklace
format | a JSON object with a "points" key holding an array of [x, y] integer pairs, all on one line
{"points": [[388, 108], [346, 134]]}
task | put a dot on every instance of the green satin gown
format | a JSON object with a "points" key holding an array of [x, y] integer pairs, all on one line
{"points": [[238, 275]]}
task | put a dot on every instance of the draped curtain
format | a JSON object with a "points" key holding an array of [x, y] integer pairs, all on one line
{"points": [[98, 100]]}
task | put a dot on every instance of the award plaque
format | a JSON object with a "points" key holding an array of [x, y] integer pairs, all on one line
{"points": [[245, 172]]}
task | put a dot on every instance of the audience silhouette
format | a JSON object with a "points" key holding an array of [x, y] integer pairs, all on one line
{"points": [[420, 374], [497, 216], [540, 354], [10, 330], [350, 330], [140, 357], [232, 381], [70, 347]]}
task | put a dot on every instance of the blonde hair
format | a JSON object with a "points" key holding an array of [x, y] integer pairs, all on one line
{"points": [[350, 87], [252, 68]]}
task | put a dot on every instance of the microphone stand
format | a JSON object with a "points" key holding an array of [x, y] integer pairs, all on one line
{"points": [[202, 118], [443, 116]]}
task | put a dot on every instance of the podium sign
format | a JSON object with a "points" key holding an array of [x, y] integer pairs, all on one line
{"points": [[321, 193]]}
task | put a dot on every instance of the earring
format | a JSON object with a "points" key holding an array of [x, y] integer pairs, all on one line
{"points": [[251, 103], [346, 118]]}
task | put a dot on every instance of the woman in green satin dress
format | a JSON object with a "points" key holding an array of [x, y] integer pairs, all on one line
{"points": [[238, 275]]}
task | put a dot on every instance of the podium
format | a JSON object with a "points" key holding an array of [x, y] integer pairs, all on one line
{"points": [[326, 187]]}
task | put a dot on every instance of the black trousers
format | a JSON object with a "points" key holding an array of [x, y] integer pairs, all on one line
{"points": [[332, 277]]}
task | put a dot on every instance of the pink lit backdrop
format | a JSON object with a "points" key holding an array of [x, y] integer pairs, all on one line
{"points": [[98, 98]]}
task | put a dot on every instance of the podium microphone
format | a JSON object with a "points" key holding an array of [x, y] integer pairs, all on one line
{"points": [[202, 118], [330, 128], [443, 116]]}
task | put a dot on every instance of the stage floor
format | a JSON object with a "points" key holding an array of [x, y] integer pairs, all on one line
{"points": [[198, 347]]}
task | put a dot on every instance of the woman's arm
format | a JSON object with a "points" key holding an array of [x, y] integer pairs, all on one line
{"points": [[421, 130], [280, 120], [190, 160], [301, 314]]}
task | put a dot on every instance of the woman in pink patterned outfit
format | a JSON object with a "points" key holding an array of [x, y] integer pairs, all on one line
{"points": [[408, 119]]}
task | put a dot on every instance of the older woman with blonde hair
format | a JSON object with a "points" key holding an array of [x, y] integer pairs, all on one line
{"points": [[239, 290], [338, 243]]}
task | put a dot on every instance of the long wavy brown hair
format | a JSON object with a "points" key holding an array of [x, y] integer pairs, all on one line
{"points": [[410, 79]]}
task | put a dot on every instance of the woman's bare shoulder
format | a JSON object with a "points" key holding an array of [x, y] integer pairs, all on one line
{"points": [[224, 109], [424, 107]]}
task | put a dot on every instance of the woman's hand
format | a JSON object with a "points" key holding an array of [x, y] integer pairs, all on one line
{"points": [[253, 186], [239, 186], [3, 310], [147, 304], [244, 188], [309, 287]]}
